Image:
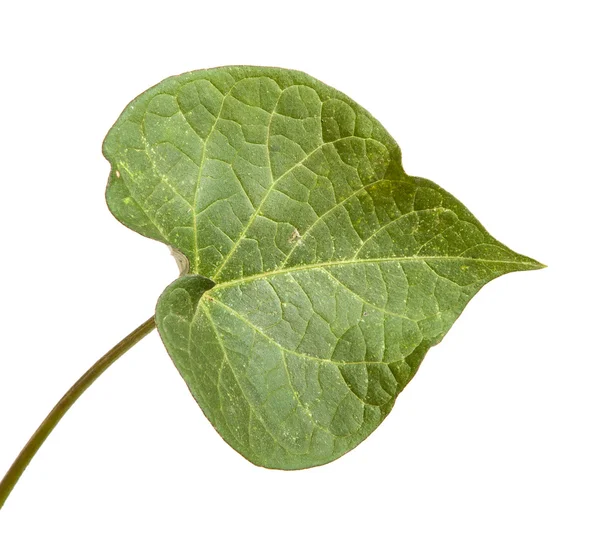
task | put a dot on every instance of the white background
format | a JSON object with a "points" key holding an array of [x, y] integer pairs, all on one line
{"points": [[491, 452]]}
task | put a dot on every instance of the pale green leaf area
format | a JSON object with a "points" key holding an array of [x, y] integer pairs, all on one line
{"points": [[319, 272]]}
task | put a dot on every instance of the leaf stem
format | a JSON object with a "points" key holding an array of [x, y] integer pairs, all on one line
{"points": [[59, 410]]}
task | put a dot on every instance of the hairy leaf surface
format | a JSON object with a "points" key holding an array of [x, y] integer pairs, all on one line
{"points": [[319, 272]]}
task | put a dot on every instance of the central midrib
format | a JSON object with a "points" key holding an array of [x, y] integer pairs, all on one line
{"points": [[302, 268]]}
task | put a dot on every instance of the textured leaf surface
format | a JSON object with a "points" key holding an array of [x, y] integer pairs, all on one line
{"points": [[320, 273]]}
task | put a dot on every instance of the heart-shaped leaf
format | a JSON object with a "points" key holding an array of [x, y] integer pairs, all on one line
{"points": [[319, 272]]}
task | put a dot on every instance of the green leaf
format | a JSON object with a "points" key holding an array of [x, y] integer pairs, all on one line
{"points": [[319, 272]]}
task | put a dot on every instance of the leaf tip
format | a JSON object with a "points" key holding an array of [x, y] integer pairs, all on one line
{"points": [[532, 264]]}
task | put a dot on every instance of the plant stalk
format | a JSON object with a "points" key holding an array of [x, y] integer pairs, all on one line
{"points": [[59, 410]]}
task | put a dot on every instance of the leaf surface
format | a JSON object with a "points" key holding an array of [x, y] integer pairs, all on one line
{"points": [[319, 272]]}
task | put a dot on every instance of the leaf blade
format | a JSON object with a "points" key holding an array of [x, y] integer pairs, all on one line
{"points": [[332, 272]]}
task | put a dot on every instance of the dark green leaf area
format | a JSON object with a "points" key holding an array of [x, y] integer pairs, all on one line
{"points": [[320, 273]]}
